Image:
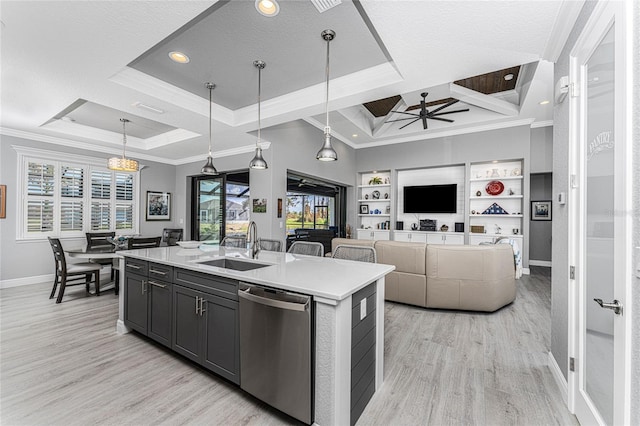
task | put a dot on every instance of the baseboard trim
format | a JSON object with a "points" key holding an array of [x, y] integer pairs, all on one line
{"points": [[38, 279], [559, 378], [526, 271], [546, 263], [18, 282]]}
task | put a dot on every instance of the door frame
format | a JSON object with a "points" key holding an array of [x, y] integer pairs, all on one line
{"points": [[604, 15]]}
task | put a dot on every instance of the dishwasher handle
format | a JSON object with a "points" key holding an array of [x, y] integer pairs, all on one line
{"points": [[275, 303]]}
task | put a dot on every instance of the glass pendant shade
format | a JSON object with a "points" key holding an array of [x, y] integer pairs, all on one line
{"points": [[258, 162], [123, 164], [209, 168], [327, 153]]}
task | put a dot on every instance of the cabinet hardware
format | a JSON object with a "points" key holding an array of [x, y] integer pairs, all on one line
{"points": [[197, 305], [130, 265], [157, 272], [143, 286], [157, 284], [202, 308]]}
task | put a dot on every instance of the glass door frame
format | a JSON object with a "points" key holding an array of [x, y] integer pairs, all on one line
{"points": [[195, 206]]}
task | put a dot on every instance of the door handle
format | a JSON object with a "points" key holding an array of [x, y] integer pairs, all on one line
{"points": [[202, 308], [197, 304], [615, 306], [143, 285]]}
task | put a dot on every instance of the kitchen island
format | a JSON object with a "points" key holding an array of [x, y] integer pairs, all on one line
{"points": [[348, 313]]}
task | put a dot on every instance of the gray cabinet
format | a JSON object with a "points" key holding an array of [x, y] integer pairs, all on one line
{"points": [[205, 322], [147, 299]]}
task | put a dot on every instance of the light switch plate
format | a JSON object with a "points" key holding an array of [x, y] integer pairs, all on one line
{"points": [[363, 308]]}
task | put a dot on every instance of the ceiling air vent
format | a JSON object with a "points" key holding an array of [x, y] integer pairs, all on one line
{"points": [[324, 5]]}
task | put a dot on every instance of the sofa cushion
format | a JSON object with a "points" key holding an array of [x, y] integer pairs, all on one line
{"points": [[405, 256], [406, 288]]}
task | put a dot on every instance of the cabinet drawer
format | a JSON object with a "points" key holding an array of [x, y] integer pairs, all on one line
{"points": [[212, 284], [136, 266], [160, 271]]}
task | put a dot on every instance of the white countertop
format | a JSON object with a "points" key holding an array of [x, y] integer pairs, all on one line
{"points": [[333, 279]]}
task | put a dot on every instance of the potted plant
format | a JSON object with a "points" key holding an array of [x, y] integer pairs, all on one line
{"points": [[376, 180]]}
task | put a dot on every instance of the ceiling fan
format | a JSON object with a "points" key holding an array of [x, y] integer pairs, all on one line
{"points": [[425, 114]]}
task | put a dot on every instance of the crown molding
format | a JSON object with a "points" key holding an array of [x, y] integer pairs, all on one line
{"points": [[225, 153], [565, 19]]}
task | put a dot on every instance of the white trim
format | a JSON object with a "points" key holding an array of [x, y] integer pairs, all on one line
{"points": [[225, 153], [559, 377], [546, 263], [19, 282], [546, 123], [565, 19], [526, 271]]}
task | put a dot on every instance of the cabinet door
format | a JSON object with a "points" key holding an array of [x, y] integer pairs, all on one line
{"points": [[221, 340], [435, 239], [380, 235], [418, 237], [454, 239], [186, 322], [402, 236], [159, 321], [135, 302], [365, 234]]}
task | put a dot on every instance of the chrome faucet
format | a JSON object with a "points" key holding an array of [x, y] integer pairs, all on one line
{"points": [[252, 237]]}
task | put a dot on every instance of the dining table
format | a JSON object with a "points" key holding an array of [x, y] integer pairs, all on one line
{"points": [[100, 252]]}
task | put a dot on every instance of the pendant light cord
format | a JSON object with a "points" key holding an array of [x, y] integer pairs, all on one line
{"points": [[124, 137], [259, 92], [327, 129], [210, 101]]}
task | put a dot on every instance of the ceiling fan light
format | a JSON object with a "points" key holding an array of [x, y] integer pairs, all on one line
{"points": [[327, 153], [258, 161], [209, 168]]}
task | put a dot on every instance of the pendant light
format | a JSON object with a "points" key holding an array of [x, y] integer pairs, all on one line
{"points": [[327, 153], [209, 168], [123, 163], [258, 162]]}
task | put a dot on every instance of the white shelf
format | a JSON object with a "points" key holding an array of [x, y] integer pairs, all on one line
{"points": [[380, 185], [495, 178], [374, 215], [478, 234], [488, 197], [502, 216], [379, 200]]}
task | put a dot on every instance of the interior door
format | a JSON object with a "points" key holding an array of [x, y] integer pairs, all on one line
{"points": [[600, 223]]}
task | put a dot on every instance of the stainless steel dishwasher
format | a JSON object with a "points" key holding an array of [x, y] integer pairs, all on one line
{"points": [[276, 349]]}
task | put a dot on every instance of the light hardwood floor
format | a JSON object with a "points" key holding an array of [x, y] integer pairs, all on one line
{"points": [[65, 365]]}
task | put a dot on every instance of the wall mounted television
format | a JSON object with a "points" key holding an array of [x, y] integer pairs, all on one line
{"points": [[431, 198]]}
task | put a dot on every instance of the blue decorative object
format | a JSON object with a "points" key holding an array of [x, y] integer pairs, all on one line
{"points": [[494, 209]]}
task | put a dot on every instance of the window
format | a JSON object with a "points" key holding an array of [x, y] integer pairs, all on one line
{"points": [[67, 195], [309, 211]]}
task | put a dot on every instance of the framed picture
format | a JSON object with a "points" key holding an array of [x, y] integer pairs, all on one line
{"points": [[3, 201], [259, 205], [364, 208], [158, 205], [279, 207], [541, 210]]}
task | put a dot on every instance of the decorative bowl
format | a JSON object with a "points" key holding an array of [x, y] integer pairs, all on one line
{"points": [[189, 244]]}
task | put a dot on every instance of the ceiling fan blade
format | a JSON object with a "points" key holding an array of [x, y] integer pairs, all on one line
{"points": [[444, 106], [409, 123], [424, 122], [408, 113], [441, 119], [400, 119], [449, 112]]}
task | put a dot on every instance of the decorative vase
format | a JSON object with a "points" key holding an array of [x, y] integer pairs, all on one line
{"points": [[478, 193], [495, 173]]}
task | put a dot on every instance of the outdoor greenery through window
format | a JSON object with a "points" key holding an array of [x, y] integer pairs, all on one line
{"points": [[309, 211], [68, 198], [237, 220]]}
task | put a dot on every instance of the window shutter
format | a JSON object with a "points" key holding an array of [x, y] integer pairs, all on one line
{"points": [[40, 179], [124, 187], [100, 216], [101, 185], [39, 216], [71, 216], [124, 216]]}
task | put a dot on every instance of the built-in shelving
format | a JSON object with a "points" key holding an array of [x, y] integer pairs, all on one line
{"points": [[374, 197]]}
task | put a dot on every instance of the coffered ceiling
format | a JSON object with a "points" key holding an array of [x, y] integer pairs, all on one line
{"points": [[71, 69]]}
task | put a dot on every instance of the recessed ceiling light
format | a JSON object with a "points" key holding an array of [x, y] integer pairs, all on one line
{"points": [[495, 161], [544, 102], [355, 135], [268, 8], [508, 77], [179, 57]]}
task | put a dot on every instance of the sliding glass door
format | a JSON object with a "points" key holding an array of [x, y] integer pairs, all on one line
{"points": [[208, 219]]}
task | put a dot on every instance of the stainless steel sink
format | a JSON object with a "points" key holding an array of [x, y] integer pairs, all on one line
{"points": [[237, 265]]}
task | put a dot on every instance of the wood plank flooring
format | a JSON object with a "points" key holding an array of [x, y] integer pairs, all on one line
{"points": [[65, 365]]}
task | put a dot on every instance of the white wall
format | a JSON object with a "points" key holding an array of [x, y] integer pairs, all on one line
{"points": [[542, 149]]}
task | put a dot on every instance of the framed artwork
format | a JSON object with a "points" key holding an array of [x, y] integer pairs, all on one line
{"points": [[364, 208], [279, 207], [3, 201], [158, 205], [541, 210], [259, 205]]}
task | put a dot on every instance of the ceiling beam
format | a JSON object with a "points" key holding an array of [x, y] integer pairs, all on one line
{"points": [[483, 101]]}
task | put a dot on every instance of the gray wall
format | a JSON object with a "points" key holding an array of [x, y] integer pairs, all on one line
{"points": [[542, 149], [34, 258], [560, 223], [540, 230], [503, 144]]}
